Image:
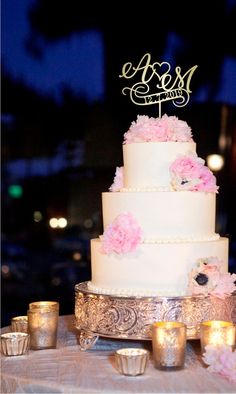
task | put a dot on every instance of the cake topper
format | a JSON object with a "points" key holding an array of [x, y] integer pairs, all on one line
{"points": [[156, 78]]}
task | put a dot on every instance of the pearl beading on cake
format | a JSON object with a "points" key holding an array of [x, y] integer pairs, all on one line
{"points": [[134, 293], [206, 238], [147, 189], [213, 237]]}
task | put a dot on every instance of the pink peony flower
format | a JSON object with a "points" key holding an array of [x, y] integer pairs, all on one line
{"points": [[207, 181], [167, 128], [145, 129], [221, 360], [189, 173], [177, 130], [208, 279], [187, 166], [122, 235], [118, 180], [225, 286]]}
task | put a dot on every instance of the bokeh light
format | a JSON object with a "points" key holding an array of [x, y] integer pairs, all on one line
{"points": [[215, 162]]}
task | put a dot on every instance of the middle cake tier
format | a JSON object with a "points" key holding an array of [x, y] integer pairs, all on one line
{"points": [[165, 216]]}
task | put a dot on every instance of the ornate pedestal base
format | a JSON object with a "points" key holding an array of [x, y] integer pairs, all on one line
{"points": [[131, 317]]}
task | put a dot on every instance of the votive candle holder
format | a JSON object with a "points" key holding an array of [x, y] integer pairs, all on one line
{"points": [[43, 324], [42, 305], [19, 324], [169, 344], [131, 361], [14, 343], [217, 333]]}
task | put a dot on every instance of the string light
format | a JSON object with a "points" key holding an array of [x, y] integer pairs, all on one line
{"points": [[58, 223]]}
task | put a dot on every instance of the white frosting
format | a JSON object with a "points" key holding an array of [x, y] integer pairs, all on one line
{"points": [[153, 269], [178, 227], [165, 216], [146, 164]]}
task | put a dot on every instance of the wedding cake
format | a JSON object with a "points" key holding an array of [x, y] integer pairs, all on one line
{"points": [[159, 219]]}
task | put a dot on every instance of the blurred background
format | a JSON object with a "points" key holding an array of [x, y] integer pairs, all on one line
{"points": [[63, 117]]}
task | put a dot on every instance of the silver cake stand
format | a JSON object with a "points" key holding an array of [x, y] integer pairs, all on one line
{"points": [[132, 317]]}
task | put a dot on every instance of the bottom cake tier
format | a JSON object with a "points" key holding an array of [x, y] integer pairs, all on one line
{"points": [[132, 317], [153, 269]]}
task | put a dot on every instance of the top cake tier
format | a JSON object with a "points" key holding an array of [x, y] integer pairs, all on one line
{"points": [[159, 154], [147, 164]]}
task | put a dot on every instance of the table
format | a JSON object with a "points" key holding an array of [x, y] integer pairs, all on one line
{"points": [[67, 369]]}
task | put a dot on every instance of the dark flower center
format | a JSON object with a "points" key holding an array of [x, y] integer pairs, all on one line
{"points": [[201, 279]]}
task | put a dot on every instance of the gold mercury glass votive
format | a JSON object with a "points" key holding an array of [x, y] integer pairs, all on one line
{"points": [[19, 324], [50, 305], [217, 332], [169, 344], [43, 324], [14, 343], [131, 361]]}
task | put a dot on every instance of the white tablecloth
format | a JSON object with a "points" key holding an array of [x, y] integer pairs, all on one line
{"points": [[67, 369]]}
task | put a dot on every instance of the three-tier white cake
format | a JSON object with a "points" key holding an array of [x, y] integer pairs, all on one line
{"points": [[159, 216]]}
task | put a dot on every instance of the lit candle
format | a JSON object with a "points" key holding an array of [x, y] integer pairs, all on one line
{"points": [[217, 332], [43, 324], [169, 344]]}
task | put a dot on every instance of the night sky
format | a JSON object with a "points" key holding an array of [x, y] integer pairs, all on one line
{"points": [[76, 62]]}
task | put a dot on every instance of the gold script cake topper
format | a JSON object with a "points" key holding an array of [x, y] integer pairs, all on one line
{"points": [[174, 88]]}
